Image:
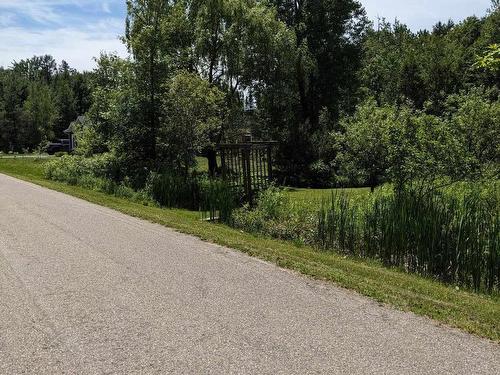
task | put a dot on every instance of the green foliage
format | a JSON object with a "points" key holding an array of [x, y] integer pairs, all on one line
{"points": [[316, 80], [276, 215], [89, 140], [425, 67], [41, 114], [95, 173], [364, 155], [70, 168], [194, 112], [450, 235], [174, 191], [38, 100], [490, 60], [406, 146]]}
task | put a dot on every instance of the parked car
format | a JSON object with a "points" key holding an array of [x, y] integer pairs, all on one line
{"points": [[61, 146]]}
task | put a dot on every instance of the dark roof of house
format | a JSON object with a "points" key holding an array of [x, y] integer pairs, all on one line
{"points": [[71, 129]]}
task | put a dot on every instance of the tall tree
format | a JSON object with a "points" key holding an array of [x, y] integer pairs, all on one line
{"points": [[145, 40], [41, 114]]}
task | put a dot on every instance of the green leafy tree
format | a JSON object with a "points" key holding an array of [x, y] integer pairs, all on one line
{"points": [[490, 60], [14, 93], [194, 114], [41, 114], [145, 40], [363, 145], [328, 35], [474, 120]]}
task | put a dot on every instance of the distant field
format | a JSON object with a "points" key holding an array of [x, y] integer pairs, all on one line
{"points": [[316, 196]]}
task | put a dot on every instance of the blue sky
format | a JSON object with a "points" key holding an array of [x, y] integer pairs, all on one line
{"points": [[77, 30]]}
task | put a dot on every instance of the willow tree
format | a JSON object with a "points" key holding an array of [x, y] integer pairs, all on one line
{"points": [[237, 45]]}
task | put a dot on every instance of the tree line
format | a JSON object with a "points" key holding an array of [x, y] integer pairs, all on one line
{"points": [[38, 101], [349, 101]]}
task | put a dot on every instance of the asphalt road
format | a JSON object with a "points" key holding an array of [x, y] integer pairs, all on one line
{"points": [[87, 290]]}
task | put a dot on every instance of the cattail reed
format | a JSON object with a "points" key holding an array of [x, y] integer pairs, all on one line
{"points": [[449, 235]]}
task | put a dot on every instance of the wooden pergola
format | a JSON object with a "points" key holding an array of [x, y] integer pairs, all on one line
{"points": [[247, 165]]}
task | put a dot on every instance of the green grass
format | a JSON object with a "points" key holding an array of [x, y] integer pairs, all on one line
{"points": [[316, 196], [475, 313], [202, 163]]}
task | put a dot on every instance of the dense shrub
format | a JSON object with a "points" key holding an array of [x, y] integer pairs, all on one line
{"points": [[402, 145], [276, 215], [93, 173], [70, 168]]}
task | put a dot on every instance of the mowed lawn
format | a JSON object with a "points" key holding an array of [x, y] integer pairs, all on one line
{"points": [[475, 313], [317, 196]]}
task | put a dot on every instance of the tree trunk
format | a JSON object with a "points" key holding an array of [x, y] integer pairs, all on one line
{"points": [[212, 161]]}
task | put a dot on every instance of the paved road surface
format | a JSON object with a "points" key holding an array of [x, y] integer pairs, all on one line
{"points": [[87, 290]]}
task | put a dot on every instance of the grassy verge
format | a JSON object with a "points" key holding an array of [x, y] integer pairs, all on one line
{"points": [[474, 313]]}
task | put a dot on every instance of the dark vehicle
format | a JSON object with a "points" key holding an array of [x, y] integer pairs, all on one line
{"points": [[61, 146]]}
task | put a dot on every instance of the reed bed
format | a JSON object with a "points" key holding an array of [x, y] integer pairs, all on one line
{"points": [[451, 236], [218, 200], [214, 198]]}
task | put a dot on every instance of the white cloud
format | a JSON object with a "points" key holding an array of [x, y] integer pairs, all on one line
{"points": [[73, 30], [41, 11], [76, 46]]}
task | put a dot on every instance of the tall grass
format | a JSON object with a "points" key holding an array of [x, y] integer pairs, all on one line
{"points": [[452, 236], [215, 199], [174, 191], [218, 200]]}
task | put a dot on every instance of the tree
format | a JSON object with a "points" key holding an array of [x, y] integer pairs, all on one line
{"points": [[41, 114], [328, 35], [14, 93], [194, 113], [239, 46], [490, 60], [37, 68], [364, 154], [145, 39], [474, 120]]}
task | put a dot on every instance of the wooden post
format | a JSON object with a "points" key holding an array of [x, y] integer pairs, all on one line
{"points": [[247, 177], [223, 163], [269, 163]]}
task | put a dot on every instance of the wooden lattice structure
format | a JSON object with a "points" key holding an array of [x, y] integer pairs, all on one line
{"points": [[247, 166]]}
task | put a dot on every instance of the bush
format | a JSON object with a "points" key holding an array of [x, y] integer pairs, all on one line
{"points": [[277, 216], [70, 169], [59, 154], [174, 191], [92, 173]]}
